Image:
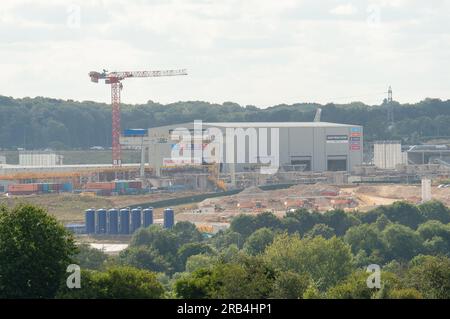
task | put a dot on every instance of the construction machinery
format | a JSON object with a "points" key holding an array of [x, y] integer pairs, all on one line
{"points": [[77, 177], [214, 170], [115, 79]]}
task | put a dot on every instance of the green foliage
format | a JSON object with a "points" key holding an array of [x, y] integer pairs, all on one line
{"points": [[434, 210], [290, 285], [90, 258], [362, 259], [145, 257], [115, 283], [402, 242], [353, 287], [430, 275], [224, 239], [187, 232], [321, 230], [306, 220], [196, 262], [298, 256], [254, 279], [290, 224], [382, 222], [191, 249], [267, 220], [339, 221], [42, 122], [434, 228], [229, 254], [162, 240], [405, 293], [312, 292], [158, 249], [197, 285], [244, 225], [247, 278], [327, 261], [367, 240], [400, 212], [35, 251], [436, 246], [436, 236], [257, 242]]}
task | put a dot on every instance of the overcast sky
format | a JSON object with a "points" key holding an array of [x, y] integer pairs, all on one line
{"points": [[258, 52]]}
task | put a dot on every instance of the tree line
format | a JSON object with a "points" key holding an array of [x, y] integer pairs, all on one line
{"points": [[38, 123], [305, 254]]}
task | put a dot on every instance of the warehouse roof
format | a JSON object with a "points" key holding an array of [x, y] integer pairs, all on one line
{"points": [[190, 125], [277, 124]]}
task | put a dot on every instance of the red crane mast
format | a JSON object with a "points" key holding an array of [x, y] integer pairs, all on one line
{"points": [[115, 79]]}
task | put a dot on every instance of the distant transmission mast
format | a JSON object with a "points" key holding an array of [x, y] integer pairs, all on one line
{"points": [[390, 107]]}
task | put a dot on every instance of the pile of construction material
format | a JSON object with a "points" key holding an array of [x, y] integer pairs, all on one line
{"points": [[39, 188], [115, 188]]}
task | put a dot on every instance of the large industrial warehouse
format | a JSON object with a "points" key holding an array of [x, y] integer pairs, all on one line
{"points": [[303, 146]]}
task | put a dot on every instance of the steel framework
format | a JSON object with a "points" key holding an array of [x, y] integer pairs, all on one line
{"points": [[115, 78]]}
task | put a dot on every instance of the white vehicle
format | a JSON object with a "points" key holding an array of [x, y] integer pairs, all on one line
{"points": [[97, 148]]}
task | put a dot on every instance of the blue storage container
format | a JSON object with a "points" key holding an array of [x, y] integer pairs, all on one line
{"points": [[148, 216], [135, 132], [101, 221], [89, 218], [124, 225], [135, 219], [67, 187], [169, 218], [113, 221]]}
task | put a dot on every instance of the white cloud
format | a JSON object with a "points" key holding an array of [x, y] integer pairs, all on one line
{"points": [[344, 10], [260, 52]]}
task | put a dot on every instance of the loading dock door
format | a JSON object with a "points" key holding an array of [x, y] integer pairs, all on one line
{"points": [[336, 163], [302, 160]]}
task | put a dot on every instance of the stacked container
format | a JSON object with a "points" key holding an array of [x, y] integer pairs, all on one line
{"points": [[117, 187], [39, 188], [128, 187], [102, 189], [23, 189], [67, 187]]}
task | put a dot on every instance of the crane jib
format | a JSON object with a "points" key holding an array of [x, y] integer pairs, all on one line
{"points": [[115, 78]]}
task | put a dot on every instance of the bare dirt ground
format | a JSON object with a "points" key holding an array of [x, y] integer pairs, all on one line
{"points": [[385, 194], [71, 207], [364, 197]]}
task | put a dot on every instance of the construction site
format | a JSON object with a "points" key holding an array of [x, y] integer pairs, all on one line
{"points": [[210, 172]]}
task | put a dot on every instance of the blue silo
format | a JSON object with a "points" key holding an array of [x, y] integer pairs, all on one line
{"points": [[148, 216], [101, 221], [89, 218], [113, 222], [135, 219], [124, 226], [169, 218]]}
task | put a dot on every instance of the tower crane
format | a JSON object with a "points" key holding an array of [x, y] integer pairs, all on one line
{"points": [[115, 79]]}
